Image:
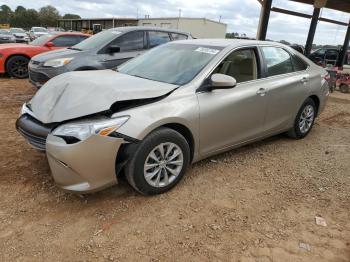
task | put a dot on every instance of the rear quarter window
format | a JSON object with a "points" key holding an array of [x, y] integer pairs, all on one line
{"points": [[299, 64]]}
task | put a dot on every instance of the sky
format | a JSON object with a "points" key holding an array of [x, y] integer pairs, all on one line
{"points": [[241, 16]]}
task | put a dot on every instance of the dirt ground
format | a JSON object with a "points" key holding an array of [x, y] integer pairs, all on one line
{"points": [[256, 203]]}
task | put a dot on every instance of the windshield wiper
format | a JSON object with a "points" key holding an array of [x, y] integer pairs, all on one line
{"points": [[75, 48]]}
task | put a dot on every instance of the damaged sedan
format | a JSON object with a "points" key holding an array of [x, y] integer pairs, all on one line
{"points": [[176, 104]]}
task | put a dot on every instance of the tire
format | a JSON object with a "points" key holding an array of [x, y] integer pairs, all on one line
{"points": [[344, 88], [143, 164], [17, 66], [306, 115]]}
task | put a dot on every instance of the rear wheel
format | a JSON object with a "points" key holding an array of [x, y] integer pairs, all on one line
{"points": [[17, 66], [159, 163], [344, 88], [304, 120]]}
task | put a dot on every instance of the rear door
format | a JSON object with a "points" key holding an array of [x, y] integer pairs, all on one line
{"points": [[287, 82], [131, 44], [156, 38]]}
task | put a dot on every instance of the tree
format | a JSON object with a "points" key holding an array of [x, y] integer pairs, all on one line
{"points": [[48, 15], [71, 16], [5, 14]]}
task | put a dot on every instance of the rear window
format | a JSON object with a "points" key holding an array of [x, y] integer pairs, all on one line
{"points": [[278, 61], [157, 38], [298, 63]]}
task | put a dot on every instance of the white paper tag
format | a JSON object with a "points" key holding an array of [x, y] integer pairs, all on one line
{"points": [[116, 32], [207, 50]]}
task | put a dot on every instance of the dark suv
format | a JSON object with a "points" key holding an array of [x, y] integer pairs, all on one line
{"points": [[328, 56], [104, 50]]}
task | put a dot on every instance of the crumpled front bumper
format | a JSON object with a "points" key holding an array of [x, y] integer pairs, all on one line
{"points": [[86, 166]]}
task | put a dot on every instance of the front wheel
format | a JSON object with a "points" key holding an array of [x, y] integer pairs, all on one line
{"points": [[159, 162], [304, 120], [17, 66]]}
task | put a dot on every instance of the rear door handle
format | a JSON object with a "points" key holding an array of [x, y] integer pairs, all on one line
{"points": [[261, 92]]}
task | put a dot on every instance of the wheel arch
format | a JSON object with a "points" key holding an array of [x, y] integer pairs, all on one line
{"points": [[316, 101], [185, 132]]}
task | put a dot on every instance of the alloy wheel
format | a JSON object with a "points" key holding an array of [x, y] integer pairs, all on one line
{"points": [[306, 119], [19, 68], [163, 164]]}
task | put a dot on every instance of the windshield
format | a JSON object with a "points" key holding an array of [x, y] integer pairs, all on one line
{"points": [[17, 30], [4, 32], [172, 63], [39, 29], [41, 40], [97, 41]]}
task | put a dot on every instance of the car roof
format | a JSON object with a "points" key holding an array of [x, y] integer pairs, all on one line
{"points": [[150, 28], [227, 42], [67, 33]]}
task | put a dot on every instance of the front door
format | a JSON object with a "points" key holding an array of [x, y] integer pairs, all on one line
{"points": [[131, 45], [232, 116]]}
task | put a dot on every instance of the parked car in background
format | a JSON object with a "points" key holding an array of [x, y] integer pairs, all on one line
{"points": [[299, 48], [6, 36], [20, 35], [176, 104], [36, 32], [104, 50], [14, 58], [325, 56]]}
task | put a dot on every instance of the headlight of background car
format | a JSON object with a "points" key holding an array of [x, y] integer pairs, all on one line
{"points": [[58, 62], [84, 129]]}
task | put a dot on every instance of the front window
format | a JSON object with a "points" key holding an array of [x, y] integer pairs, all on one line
{"points": [[173, 63], [241, 64], [66, 40], [131, 41], [98, 41], [41, 40]]}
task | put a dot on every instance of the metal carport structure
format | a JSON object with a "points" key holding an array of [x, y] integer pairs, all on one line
{"points": [[339, 5]]}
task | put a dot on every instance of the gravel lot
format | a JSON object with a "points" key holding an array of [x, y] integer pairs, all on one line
{"points": [[256, 203]]}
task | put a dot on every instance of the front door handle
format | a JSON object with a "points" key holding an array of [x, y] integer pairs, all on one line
{"points": [[304, 79], [261, 92]]}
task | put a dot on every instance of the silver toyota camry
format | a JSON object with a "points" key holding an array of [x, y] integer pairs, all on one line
{"points": [[175, 105]]}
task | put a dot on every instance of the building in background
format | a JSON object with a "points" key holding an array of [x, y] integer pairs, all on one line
{"points": [[198, 27]]}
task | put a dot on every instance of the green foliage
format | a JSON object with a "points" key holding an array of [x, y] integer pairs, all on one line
{"points": [[5, 14], [27, 18], [48, 16], [71, 16]]}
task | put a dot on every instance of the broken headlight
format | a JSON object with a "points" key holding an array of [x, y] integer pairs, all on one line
{"points": [[83, 129]]}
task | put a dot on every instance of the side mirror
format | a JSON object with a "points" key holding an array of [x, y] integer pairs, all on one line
{"points": [[221, 81], [49, 44], [113, 49]]}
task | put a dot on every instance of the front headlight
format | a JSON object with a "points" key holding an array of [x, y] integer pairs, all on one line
{"points": [[58, 62], [83, 129]]}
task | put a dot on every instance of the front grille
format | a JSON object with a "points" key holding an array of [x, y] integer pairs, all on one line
{"points": [[33, 131], [38, 77], [34, 62]]}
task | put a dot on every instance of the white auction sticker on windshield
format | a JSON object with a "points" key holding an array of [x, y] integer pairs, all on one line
{"points": [[116, 32], [207, 50]]}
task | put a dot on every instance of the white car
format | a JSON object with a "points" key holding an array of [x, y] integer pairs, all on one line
{"points": [[20, 35], [36, 32]]}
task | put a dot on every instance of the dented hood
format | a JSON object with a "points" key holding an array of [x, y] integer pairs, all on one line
{"points": [[76, 94]]}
